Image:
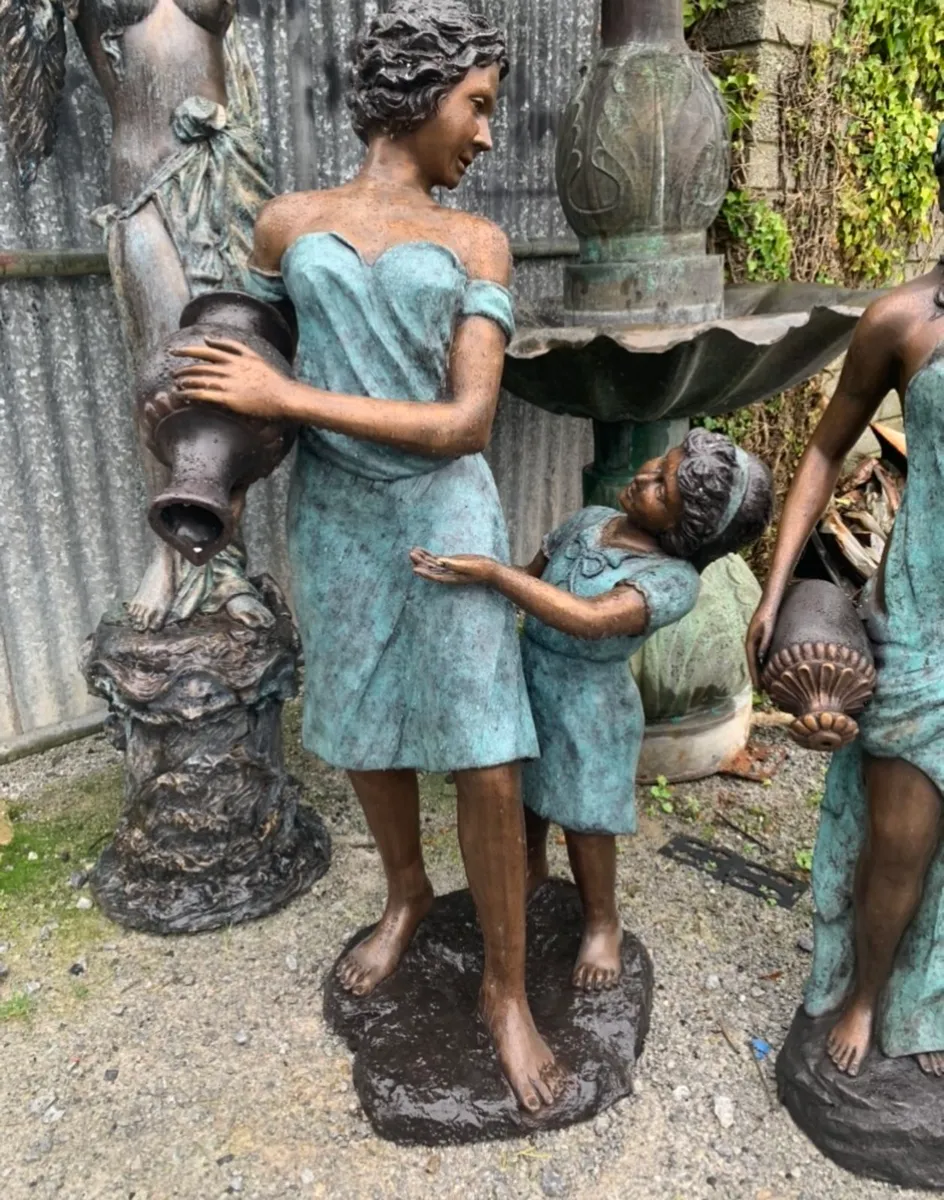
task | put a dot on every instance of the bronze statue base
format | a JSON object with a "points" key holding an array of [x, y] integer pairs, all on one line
{"points": [[886, 1123], [211, 833], [424, 1067]]}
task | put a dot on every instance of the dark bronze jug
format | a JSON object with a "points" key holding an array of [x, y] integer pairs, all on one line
{"points": [[820, 666], [213, 454]]}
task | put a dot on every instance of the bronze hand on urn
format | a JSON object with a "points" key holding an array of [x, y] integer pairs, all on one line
{"points": [[187, 175]]}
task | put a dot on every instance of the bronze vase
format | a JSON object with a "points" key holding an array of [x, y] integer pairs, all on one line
{"points": [[820, 666], [213, 454]]}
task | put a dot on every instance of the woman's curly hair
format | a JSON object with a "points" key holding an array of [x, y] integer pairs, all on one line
{"points": [[410, 57], [706, 476]]}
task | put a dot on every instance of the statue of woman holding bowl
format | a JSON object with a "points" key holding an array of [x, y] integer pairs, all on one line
{"points": [[403, 315]]}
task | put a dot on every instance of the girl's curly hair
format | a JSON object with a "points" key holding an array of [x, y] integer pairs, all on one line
{"points": [[410, 57], [706, 476]]}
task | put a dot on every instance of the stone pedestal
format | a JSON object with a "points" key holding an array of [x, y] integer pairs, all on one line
{"points": [[886, 1123], [211, 833], [425, 1070]]}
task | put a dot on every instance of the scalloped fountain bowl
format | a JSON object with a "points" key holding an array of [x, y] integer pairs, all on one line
{"points": [[771, 337]]}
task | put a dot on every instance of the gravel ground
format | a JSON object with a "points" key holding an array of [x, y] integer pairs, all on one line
{"points": [[200, 1067]]}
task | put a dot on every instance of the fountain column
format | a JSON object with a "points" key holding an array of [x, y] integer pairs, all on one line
{"points": [[643, 162]]}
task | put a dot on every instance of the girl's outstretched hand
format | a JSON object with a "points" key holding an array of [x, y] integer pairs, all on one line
{"points": [[459, 568]]}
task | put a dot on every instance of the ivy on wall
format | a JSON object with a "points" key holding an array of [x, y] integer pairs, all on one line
{"points": [[860, 118], [892, 87]]}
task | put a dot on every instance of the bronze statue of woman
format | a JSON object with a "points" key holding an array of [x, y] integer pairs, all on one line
{"points": [[403, 315], [878, 868], [187, 176]]}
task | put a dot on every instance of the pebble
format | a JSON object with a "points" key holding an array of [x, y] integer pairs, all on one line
{"points": [[4, 947], [757, 992], [83, 903], [32, 856], [46, 932], [552, 1184], [241, 1038], [111, 1074], [713, 983], [291, 962], [682, 1093], [805, 943], [307, 1177], [37, 1149], [33, 987], [78, 879], [724, 1111], [236, 1184], [78, 968]]}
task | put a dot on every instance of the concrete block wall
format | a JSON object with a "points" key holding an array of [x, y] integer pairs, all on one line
{"points": [[767, 33]]}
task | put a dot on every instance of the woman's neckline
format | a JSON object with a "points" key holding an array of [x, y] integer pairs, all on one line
{"points": [[371, 263], [936, 355]]}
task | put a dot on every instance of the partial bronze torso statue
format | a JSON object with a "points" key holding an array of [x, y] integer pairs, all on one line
{"points": [[187, 175]]}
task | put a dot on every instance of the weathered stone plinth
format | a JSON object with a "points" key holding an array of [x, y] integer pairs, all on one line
{"points": [[886, 1123], [424, 1067], [211, 833]]}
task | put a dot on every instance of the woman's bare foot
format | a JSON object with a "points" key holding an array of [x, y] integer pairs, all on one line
{"points": [[932, 1064], [151, 603], [250, 611], [850, 1038], [378, 955], [598, 962], [535, 1076]]}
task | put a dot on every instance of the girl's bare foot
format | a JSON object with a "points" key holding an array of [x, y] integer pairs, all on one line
{"points": [[850, 1038], [598, 963], [932, 1064], [378, 955], [535, 1076]]}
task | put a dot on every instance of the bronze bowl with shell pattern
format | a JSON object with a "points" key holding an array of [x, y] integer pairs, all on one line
{"points": [[820, 666]]}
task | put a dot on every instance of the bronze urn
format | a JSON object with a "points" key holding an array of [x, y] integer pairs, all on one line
{"points": [[820, 666], [213, 454]]}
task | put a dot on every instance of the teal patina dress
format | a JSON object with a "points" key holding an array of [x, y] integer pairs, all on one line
{"points": [[586, 705], [905, 719], [399, 672]]}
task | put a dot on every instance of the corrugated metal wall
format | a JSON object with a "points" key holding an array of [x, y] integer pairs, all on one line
{"points": [[73, 538]]}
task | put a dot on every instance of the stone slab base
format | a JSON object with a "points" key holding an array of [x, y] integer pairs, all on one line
{"points": [[424, 1068], [887, 1123]]}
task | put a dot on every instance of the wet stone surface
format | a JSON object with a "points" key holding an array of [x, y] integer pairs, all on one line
{"points": [[886, 1123], [424, 1068]]}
